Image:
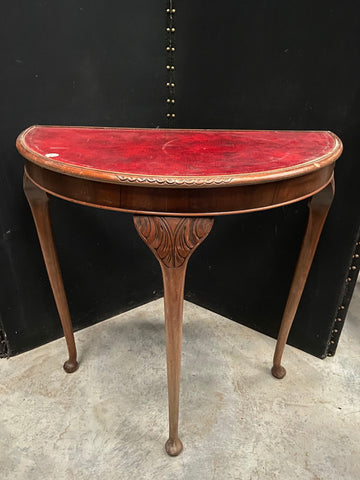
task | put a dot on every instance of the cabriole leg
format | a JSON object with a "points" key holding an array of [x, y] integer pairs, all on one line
{"points": [[39, 204], [319, 206], [173, 240]]}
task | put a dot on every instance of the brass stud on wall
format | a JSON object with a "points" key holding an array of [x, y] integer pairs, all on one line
{"points": [[170, 64], [340, 316]]}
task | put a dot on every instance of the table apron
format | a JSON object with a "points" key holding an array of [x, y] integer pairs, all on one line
{"points": [[179, 201]]}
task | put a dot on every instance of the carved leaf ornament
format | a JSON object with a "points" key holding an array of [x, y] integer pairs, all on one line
{"points": [[172, 239]]}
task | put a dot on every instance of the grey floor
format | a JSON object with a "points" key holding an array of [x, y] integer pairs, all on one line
{"points": [[109, 419]]}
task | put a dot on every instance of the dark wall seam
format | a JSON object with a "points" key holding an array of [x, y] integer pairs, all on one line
{"points": [[170, 63], [350, 283]]}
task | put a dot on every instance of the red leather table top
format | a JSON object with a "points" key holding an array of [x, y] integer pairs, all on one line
{"points": [[168, 153]]}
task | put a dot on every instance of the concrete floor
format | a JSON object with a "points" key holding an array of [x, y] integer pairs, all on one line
{"points": [[109, 419]]}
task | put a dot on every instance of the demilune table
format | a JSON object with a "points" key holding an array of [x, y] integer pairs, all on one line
{"points": [[175, 182]]}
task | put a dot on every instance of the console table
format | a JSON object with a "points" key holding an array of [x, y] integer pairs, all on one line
{"points": [[175, 182]]}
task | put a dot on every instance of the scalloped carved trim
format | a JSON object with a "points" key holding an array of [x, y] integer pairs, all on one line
{"points": [[196, 181], [172, 239]]}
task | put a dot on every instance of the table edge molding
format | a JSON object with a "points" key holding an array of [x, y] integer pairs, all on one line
{"points": [[210, 181]]}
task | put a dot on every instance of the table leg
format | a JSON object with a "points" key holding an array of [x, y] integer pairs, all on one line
{"points": [[39, 204], [319, 206], [173, 240]]}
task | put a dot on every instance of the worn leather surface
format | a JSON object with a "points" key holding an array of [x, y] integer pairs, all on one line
{"points": [[178, 152]]}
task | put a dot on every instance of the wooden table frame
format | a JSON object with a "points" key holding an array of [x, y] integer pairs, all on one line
{"points": [[173, 216]]}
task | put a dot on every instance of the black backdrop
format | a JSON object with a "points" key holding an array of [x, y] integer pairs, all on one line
{"points": [[275, 65], [243, 64], [80, 63]]}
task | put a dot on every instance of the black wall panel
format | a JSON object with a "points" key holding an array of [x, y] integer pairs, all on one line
{"points": [[74, 63], [274, 65]]}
